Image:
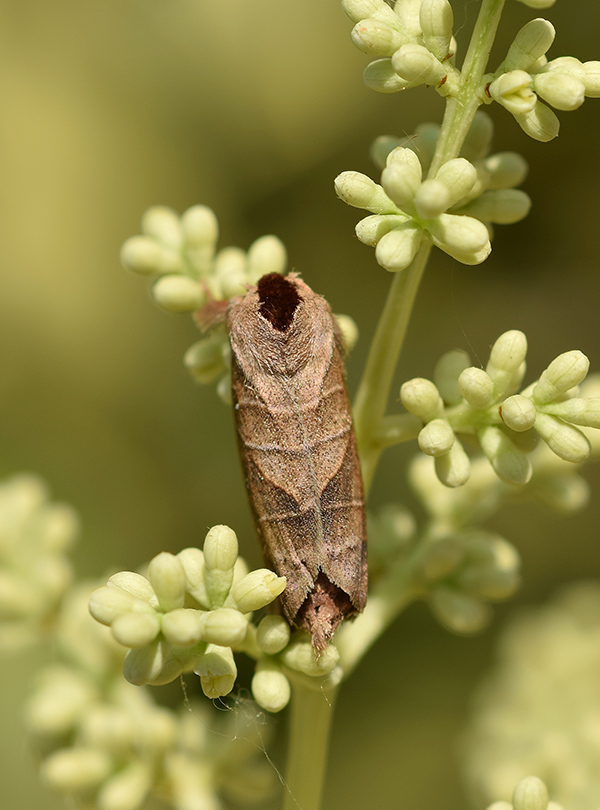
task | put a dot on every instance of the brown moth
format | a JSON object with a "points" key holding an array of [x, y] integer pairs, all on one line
{"points": [[298, 450]]}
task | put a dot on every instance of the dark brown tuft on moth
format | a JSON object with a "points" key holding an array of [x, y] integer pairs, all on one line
{"points": [[278, 300], [298, 451]]}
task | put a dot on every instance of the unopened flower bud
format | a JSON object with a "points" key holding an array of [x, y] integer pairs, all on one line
{"points": [[257, 589], [530, 794], [503, 207], [224, 626], [477, 387], [127, 789], [136, 585], [436, 21], [265, 255], [561, 91], [518, 413], [371, 229], [200, 226], [110, 602], [135, 629], [349, 331], [217, 671], [591, 78], [479, 137], [401, 177], [538, 3], [146, 256], [204, 359], [220, 554], [381, 77], [507, 169], [360, 191], [178, 293], [144, 665], [459, 176], [566, 441], [362, 9], [76, 770], [441, 559], [163, 224], [564, 372], [510, 464], [272, 634], [421, 398], [230, 272], [459, 611], [453, 468], [513, 91], [446, 373], [376, 38], [577, 411], [396, 249], [436, 438], [300, 655], [531, 42], [462, 237], [182, 627], [192, 560], [417, 65], [540, 123], [167, 578], [270, 688], [506, 363], [432, 198]]}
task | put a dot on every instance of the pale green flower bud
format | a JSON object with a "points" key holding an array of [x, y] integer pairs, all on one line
{"points": [[459, 176], [436, 20], [503, 207], [506, 364], [273, 634], [541, 123], [396, 249], [382, 146], [135, 629], [220, 554], [270, 688], [127, 789], [442, 559], [453, 468], [459, 611], [257, 590], [177, 293], [538, 3], [424, 143], [561, 91], [167, 578], [204, 359], [217, 671], [530, 794], [225, 627], [359, 10], [230, 272], [436, 438], [76, 770], [381, 77], [360, 191], [446, 373], [421, 398], [192, 560], [518, 413], [506, 170], [401, 177], [591, 79], [376, 37], [136, 585], [144, 665], [577, 411], [494, 572], [224, 389], [477, 387], [567, 442], [371, 229], [564, 372], [59, 703], [300, 655], [146, 256], [501, 805], [110, 602], [266, 254], [432, 198], [407, 12], [349, 330], [566, 493], [182, 627], [509, 463], [163, 224], [200, 226], [532, 42], [479, 137], [513, 91], [416, 65], [462, 237]]}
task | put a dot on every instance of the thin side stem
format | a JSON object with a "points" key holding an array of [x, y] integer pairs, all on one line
{"points": [[310, 722]]}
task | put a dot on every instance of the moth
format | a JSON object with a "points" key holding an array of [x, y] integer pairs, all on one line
{"points": [[298, 450]]}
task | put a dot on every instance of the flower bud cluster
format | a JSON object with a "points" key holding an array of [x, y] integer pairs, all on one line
{"points": [[190, 613], [526, 79], [539, 709], [463, 572], [412, 44], [455, 209], [484, 404], [35, 572]]}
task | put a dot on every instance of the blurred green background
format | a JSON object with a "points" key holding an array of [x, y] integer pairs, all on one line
{"points": [[108, 107]]}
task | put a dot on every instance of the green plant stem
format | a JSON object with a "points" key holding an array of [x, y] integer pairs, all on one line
{"points": [[373, 392], [310, 721]]}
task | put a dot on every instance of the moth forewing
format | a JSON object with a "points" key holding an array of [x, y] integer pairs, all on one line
{"points": [[298, 450]]}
